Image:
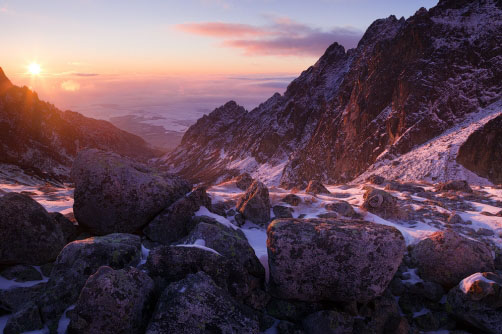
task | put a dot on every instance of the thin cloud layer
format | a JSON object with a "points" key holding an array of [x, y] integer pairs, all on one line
{"points": [[283, 37]]}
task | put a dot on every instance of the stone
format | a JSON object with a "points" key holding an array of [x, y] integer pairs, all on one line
{"points": [[12, 300], [328, 322], [456, 185], [376, 179], [438, 260], [381, 315], [25, 320], [404, 187], [114, 194], [113, 301], [70, 231], [315, 187], [176, 222], [29, 234], [292, 199], [21, 273], [343, 208], [244, 181], [281, 211], [332, 259], [196, 305], [455, 219], [291, 310], [485, 232], [381, 203], [254, 205], [477, 300]]}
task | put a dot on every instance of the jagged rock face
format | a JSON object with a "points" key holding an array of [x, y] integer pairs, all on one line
{"points": [[482, 152], [405, 83], [43, 140]]}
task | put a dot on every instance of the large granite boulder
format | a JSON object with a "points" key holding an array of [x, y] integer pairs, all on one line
{"points": [[28, 235], [176, 221], [196, 305], [113, 301], [80, 259], [446, 258], [254, 205], [330, 259], [113, 194], [477, 300], [381, 203]]}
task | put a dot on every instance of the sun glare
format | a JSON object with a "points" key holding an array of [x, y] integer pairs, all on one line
{"points": [[34, 69]]}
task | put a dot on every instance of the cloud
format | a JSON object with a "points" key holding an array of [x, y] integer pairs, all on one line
{"points": [[70, 86], [282, 36], [86, 74]]}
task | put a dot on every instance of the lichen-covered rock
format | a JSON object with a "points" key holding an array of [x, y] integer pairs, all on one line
{"points": [[343, 208], [292, 199], [446, 257], [21, 273], [196, 305], [80, 259], [13, 300], [254, 205], [28, 235], [244, 181], [113, 194], [176, 222], [381, 203], [330, 259], [281, 211], [70, 231], [168, 264], [230, 243], [328, 322], [477, 300], [113, 301], [315, 187], [456, 185], [25, 320]]}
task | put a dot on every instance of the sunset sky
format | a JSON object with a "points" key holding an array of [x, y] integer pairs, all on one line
{"points": [[94, 52]]}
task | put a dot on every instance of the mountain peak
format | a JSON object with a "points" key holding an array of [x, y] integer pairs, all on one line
{"points": [[4, 81]]}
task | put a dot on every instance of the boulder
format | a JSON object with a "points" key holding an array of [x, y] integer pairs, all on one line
{"points": [[281, 211], [446, 257], [328, 322], [244, 181], [292, 199], [21, 273], [29, 234], [176, 221], [376, 179], [291, 310], [404, 187], [14, 299], [25, 320], [167, 264], [113, 301], [113, 194], [254, 205], [70, 231], [315, 187], [80, 259], [457, 185], [343, 208], [332, 259], [197, 305], [477, 300], [381, 203], [455, 219]]}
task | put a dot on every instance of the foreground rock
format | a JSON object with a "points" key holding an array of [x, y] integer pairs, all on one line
{"points": [[244, 181], [330, 259], [447, 257], [477, 300], [113, 194], [382, 204], [197, 305], [28, 235], [343, 208], [315, 187], [80, 259], [176, 221], [292, 199], [457, 185], [24, 320], [254, 205], [113, 301]]}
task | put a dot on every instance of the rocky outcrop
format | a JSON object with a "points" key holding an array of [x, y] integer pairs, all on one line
{"points": [[113, 301], [197, 305], [477, 300], [28, 235], [315, 187], [438, 258], [343, 208], [337, 119], [481, 152], [292, 199], [254, 205], [114, 194], [43, 140], [382, 204], [329, 259], [176, 221]]}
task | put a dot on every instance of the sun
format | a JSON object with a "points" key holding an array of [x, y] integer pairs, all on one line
{"points": [[34, 69]]}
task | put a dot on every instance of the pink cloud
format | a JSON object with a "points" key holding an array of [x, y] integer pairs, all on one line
{"points": [[282, 36]]}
